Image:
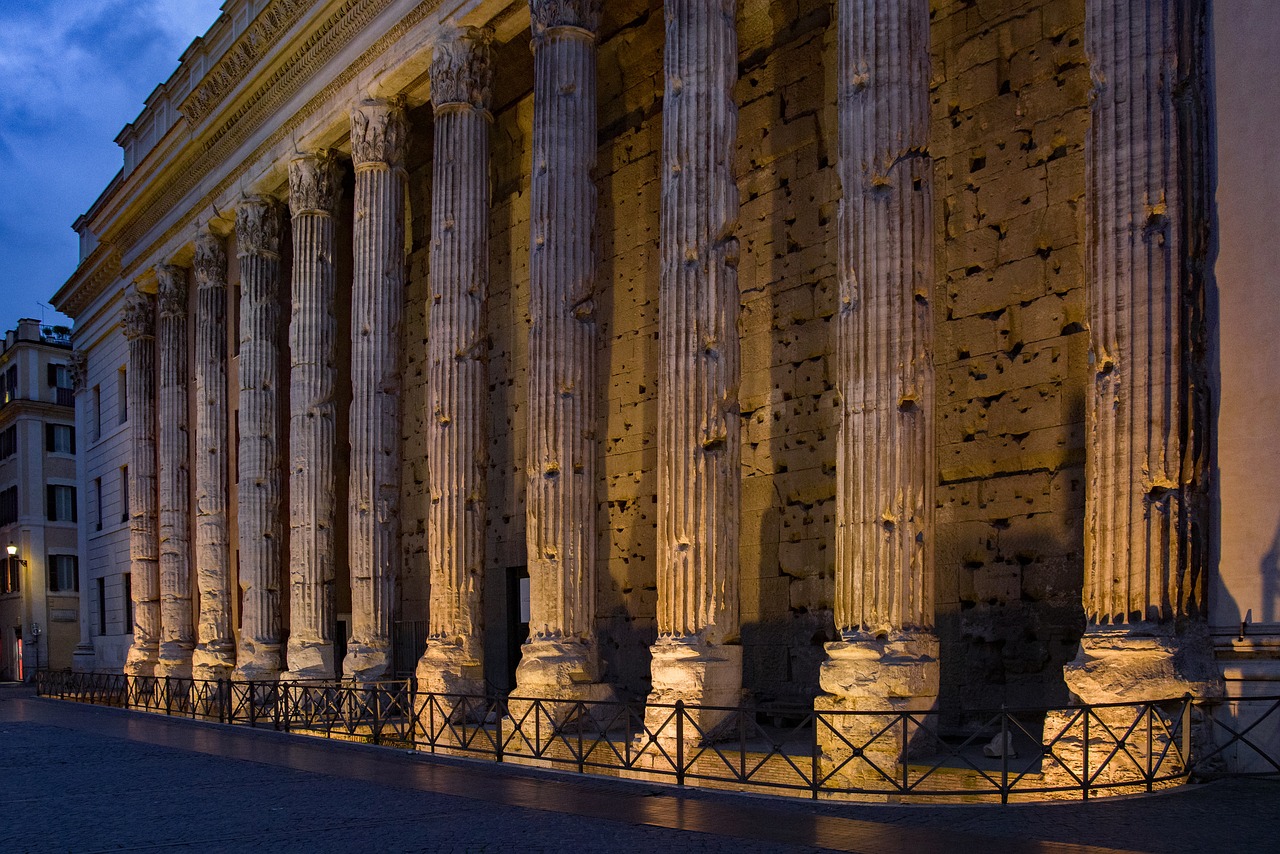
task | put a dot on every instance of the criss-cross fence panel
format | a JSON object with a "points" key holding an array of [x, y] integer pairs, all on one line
{"points": [[1007, 755]]}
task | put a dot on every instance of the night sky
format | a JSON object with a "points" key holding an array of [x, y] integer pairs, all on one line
{"points": [[74, 73]]}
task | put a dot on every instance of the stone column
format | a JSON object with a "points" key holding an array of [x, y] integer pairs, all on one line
{"points": [[379, 137], [138, 321], [1145, 538], [457, 385], [698, 658], [83, 658], [177, 634], [887, 655], [258, 489], [315, 182], [215, 652], [560, 658]]}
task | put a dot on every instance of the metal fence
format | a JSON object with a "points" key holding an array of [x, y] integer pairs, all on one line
{"points": [[1028, 754]]}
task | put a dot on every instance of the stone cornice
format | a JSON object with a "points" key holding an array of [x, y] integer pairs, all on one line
{"points": [[192, 170], [240, 59], [101, 268]]}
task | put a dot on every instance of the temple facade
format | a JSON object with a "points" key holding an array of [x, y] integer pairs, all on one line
{"points": [[862, 353]]}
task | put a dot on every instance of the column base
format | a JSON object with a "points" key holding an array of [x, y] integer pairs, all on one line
{"points": [[257, 661], [309, 660], [700, 674], [174, 660], [451, 671], [84, 659], [560, 674], [898, 674], [141, 660], [213, 661], [366, 662], [1133, 665]]}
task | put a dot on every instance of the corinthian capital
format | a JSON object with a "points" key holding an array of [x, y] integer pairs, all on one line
{"points": [[379, 132], [315, 182], [461, 71], [553, 14], [78, 368], [139, 316], [211, 260], [172, 290], [258, 227]]}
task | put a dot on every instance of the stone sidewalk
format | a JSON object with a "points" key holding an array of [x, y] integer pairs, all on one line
{"points": [[83, 778]]}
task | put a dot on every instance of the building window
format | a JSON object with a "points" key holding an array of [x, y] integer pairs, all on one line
{"points": [[62, 503], [128, 603], [10, 578], [8, 505], [124, 493], [8, 442], [64, 576], [60, 381], [97, 494], [9, 384], [60, 438], [122, 395], [102, 606], [97, 412]]}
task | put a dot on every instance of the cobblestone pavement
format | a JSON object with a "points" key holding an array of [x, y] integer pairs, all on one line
{"points": [[81, 778]]}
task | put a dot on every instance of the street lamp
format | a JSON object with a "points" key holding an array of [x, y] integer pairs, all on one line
{"points": [[13, 554], [35, 641]]}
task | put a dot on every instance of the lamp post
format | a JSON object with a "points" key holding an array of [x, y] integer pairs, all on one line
{"points": [[35, 627]]}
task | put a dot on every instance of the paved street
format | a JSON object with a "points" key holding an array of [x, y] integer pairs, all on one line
{"points": [[82, 778]]}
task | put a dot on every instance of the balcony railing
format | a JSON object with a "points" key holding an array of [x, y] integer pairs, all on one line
{"points": [[1068, 752]]}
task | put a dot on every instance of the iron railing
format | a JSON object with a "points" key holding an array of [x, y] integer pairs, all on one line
{"points": [[1070, 752]]}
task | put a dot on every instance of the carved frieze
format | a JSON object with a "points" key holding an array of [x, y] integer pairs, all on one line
{"points": [[379, 132], [461, 68], [172, 291], [552, 14], [315, 183], [258, 227], [138, 318]]}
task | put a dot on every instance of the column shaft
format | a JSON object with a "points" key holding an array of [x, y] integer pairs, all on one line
{"points": [[457, 385], [885, 466], [379, 136], [215, 643], [259, 485], [144, 547], [560, 657], [1145, 577], [314, 184], [698, 420], [177, 633]]}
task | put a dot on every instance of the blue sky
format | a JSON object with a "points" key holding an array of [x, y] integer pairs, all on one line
{"points": [[74, 73]]}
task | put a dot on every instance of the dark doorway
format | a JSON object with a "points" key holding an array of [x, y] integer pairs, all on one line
{"points": [[517, 618]]}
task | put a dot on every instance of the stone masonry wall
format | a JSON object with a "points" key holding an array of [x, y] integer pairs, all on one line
{"points": [[1010, 114]]}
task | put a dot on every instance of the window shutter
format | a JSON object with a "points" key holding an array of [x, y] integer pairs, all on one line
{"points": [[73, 439], [53, 574], [75, 505], [52, 372], [75, 572], [51, 499], [48, 438]]}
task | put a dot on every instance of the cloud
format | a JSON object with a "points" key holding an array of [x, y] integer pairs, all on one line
{"points": [[75, 74]]}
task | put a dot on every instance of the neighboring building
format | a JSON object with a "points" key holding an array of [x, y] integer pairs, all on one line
{"points": [[39, 507], [868, 350]]}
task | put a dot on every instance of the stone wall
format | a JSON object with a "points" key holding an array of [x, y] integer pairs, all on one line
{"points": [[1010, 109]]}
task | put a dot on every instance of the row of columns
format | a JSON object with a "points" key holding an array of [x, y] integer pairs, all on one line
{"points": [[886, 470]]}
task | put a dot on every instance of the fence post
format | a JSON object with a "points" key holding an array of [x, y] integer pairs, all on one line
{"points": [[168, 696], [679, 742], [1084, 766], [1186, 734], [1004, 754], [813, 765], [1150, 747], [377, 716], [253, 699]]}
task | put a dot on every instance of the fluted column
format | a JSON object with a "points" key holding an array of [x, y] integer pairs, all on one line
{"points": [[315, 182], [258, 488], [379, 137], [177, 634], [83, 658], [885, 468], [215, 652], [698, 657], [560, 657], [1145, 543], [138, 322], [457, 391]]}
